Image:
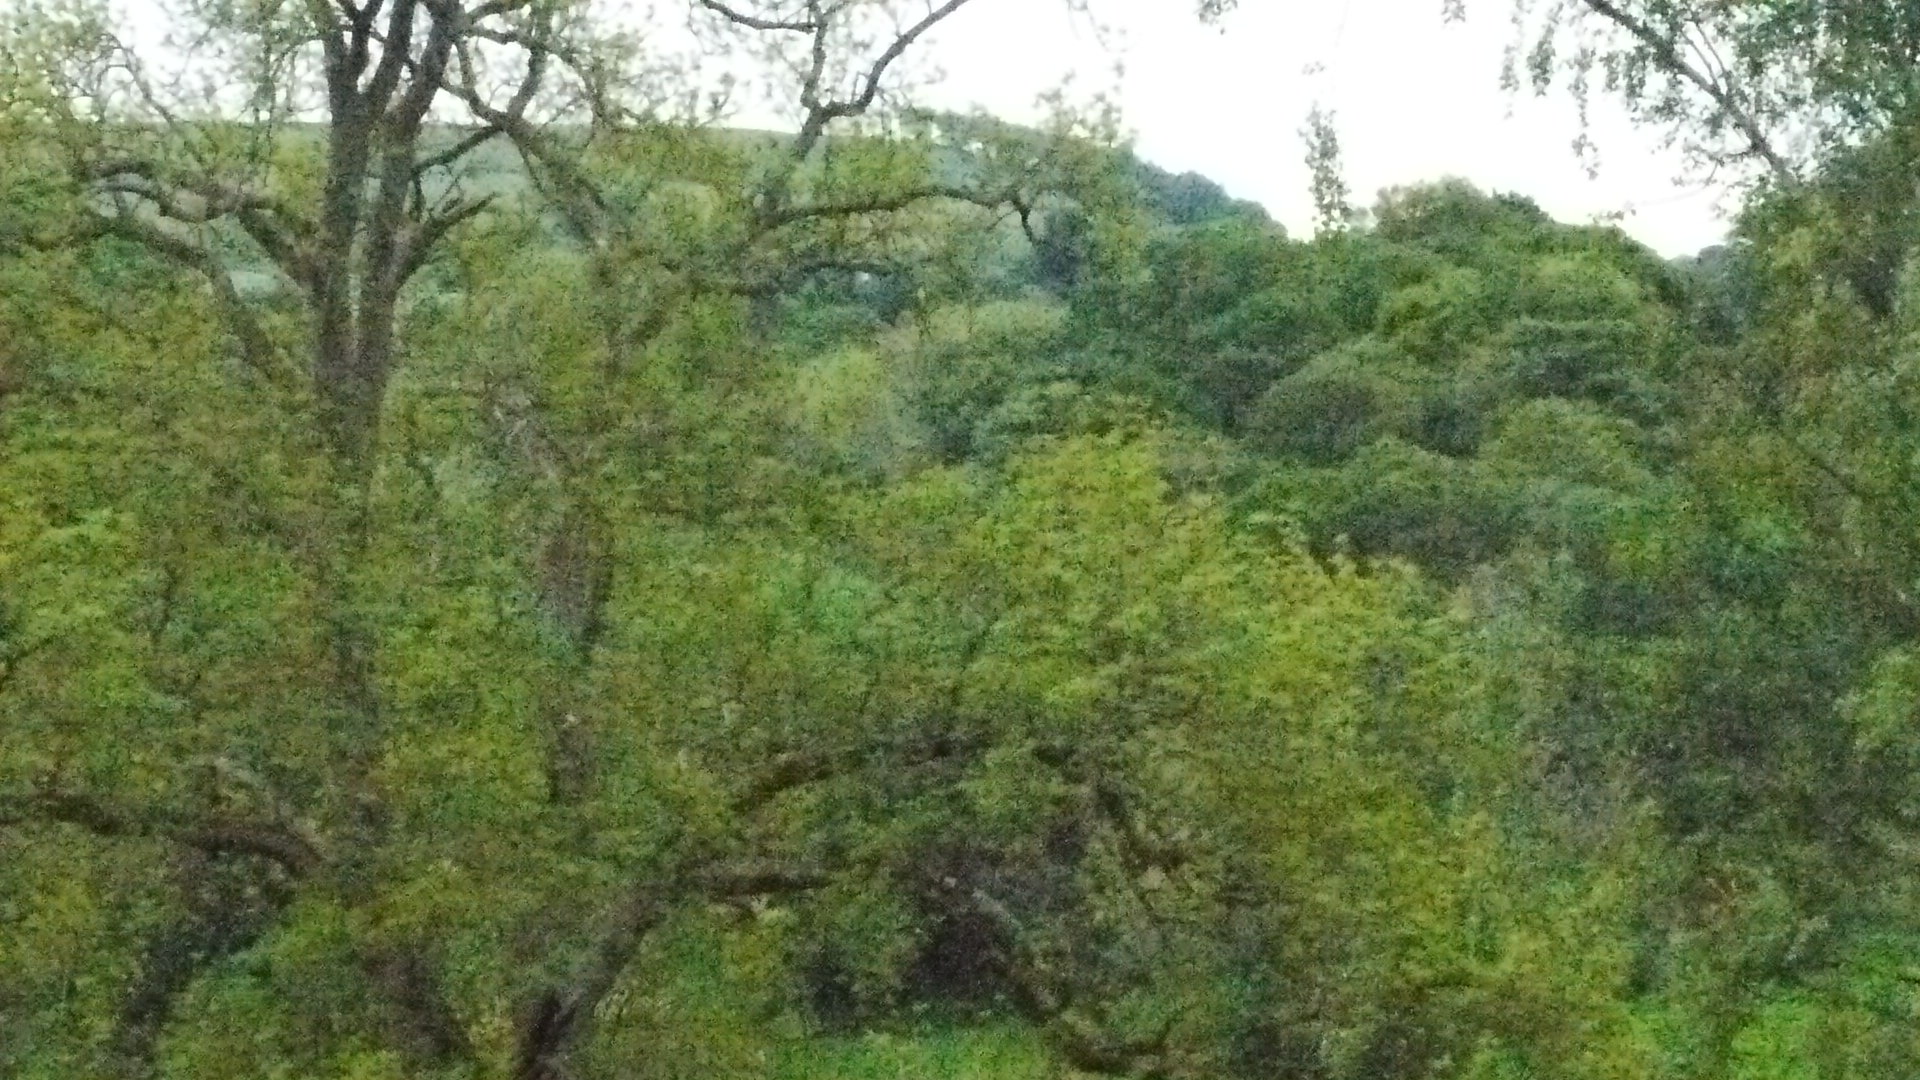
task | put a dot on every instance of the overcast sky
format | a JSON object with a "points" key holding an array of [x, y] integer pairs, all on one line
{"points": [[1416, 98]]}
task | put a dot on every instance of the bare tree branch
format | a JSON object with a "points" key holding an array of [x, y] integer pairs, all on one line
{"points": [[1724, 97], [573, 194], [754, 22], [453, 155], [820, 114], [426, 236], [270, 223]]}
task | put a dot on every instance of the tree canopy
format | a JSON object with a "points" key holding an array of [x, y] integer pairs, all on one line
{"points": [[503, 575]]}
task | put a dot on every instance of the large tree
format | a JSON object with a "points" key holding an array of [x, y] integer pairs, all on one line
{"points": [[305, 163]]}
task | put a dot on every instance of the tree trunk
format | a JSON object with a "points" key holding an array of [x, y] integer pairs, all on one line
{"points": [[575, 581], [352, 366]]}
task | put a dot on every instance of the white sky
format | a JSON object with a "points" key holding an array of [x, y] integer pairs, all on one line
{"points": [[1416, 99]]}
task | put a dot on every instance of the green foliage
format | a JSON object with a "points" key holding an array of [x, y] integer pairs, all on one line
{"points": [[709, 1006], [997, 1052], [1458, 647], [849, 413], [1441, 317], [1338, 404]]}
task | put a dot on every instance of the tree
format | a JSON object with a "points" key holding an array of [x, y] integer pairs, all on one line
{"points": [[1736, 86], [343, 152], [1331, 211]]}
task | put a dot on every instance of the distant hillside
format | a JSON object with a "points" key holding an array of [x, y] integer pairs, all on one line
{"points": [[1180, 198], [1190, 198], [496, 169]]}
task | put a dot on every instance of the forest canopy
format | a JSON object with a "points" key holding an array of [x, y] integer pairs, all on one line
{"points": [[507, 576]]}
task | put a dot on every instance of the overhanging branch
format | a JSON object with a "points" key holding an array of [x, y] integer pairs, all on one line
{"points": [[257, 349], [892, 203], [760, 23], [1724, 96], [211, 833]]}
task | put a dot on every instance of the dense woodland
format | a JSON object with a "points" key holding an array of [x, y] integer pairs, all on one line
{"points": [[503, 575]]}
